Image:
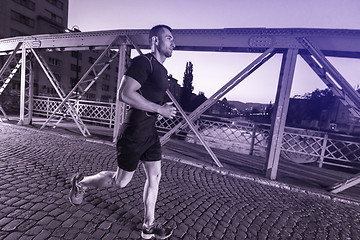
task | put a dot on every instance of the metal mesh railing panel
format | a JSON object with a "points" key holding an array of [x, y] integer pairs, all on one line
{"points": [[238, 136]]}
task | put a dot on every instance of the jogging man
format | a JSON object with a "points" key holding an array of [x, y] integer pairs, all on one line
{"points": [[143, 89]]}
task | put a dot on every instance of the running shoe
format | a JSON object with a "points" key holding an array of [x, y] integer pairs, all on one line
{"points": [[156, 230], [77, 191]]}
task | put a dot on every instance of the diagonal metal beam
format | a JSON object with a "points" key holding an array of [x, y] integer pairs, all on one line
{"points": [[347, 183], [192, 127], [332, 78], [320, 71], [222, 91], [10, 58], [4, 114], [6, 66]]}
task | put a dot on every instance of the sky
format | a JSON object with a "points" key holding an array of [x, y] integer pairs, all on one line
{"points": [[213, 70]]}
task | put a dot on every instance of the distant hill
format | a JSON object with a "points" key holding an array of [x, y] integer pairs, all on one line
{"points": [[247, 106]]}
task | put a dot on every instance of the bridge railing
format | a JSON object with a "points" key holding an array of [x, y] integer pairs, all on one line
{"points": [[101, 113], [299, 145]]}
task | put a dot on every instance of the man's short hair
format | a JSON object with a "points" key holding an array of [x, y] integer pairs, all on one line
{"points": [[157, 30]]}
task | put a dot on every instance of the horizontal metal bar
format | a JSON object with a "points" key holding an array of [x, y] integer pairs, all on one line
{"points": [[333, 42]]}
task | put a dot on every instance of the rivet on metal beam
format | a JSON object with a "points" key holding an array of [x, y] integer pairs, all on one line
{"points": [[260, 41], [36, 44]]}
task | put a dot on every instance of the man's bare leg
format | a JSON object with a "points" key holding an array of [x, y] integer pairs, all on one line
{"points": [[151, 228], [151, 189], [103, 179]]}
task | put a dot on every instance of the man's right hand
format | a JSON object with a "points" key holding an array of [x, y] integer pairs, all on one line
{"points": [[167, 110]]}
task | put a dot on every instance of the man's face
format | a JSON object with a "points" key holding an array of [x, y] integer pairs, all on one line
{"points": [[166, 43]]}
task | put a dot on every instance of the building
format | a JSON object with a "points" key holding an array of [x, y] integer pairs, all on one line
{"points": [[27, 17], [335, 117]]}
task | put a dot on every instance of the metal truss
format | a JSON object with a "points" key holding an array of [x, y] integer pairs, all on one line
{"points": [[68, 106], [340, 87], [84, 84], [188, 120], [9, 71], [221, 92]]}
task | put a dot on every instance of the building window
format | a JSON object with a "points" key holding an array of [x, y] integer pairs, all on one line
{"points": [[76, 54], [73, 82], [56, 3], [54, 61], [75, 68], [106, 77], [91, 60], [22, 19], [105, 87], [105, 98], [26, 3], [55, 18], [90, 96]]}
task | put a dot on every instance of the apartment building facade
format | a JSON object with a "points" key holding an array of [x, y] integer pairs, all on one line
{"points": [[27, 17]]}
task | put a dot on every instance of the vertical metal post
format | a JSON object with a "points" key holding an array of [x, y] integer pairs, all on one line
{"points": [[47, 107], [22, 85], [120, 106], [111, 114], [323, 149], [253, 136], [279, 117], [30, 100]]}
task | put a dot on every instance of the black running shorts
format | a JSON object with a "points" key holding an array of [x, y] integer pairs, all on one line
{"points": [[131, 150]]}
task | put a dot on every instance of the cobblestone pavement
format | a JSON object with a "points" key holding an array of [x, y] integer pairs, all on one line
{"points": [[36, 167]]}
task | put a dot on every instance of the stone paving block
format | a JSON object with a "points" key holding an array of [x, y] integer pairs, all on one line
{"points": [[59, 232], [13, 236], [26, 237], [44, 234], [53, 224], [98, 234], [34, 230], [68, 223], [105, 225], [110, 236], [26, 225], [55, 238], [72, 234], [12, 225]]}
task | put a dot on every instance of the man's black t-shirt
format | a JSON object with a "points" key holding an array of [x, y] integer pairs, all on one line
{"points": [[153, 79]]}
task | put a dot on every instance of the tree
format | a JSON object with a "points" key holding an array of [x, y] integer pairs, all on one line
{"points": [[187, 88], [198, 100], [319, 100], [314, 106]]}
